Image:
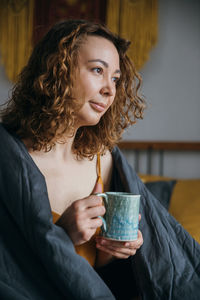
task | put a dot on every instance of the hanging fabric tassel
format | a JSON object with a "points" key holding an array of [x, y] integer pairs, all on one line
{"points": [[137, 21], [16, 27]]}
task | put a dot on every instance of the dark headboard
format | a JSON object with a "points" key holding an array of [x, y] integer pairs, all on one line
{"points": [[156, 146]]}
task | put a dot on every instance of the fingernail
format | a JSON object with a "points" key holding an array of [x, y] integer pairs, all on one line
{"points": [[100, 241]]}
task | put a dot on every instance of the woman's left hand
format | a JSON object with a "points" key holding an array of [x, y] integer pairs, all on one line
{"points": [[110, 249]]}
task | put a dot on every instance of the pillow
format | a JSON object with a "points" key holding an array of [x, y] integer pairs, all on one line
{"points": [[162, 190], [150, 178]]}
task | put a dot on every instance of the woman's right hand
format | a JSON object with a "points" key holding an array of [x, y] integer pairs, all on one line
{"points": [[80, 220]]}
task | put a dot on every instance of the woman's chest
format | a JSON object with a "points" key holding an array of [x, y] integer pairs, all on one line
{"points": [[67, 184]]}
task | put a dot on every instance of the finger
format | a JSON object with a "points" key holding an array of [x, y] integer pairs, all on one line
{"points": [[139, 239], [122, 250], [93, 200], [114, 252], [85, 236], [119, 247], [108, 242], [95, 223], [119, 244], [87, 202], [140, 217], [96, 211], [135, 244]]}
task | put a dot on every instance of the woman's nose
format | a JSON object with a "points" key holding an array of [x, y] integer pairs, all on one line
{"points": [[107, 90]]}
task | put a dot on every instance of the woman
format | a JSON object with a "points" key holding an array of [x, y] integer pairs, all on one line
{"points": [[72, 102], [69, 108]]}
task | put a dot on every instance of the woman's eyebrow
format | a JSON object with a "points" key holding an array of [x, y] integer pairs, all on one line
{"points": [[104, 63]]}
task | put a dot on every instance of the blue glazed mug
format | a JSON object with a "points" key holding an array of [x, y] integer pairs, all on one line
{"points": [[121, 219]]}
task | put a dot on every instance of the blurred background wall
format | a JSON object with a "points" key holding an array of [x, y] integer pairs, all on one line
{"points": [[171, 77], [170, 84]]}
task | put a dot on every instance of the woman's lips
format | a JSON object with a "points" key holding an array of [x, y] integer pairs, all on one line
{"points": [[97, 106]]}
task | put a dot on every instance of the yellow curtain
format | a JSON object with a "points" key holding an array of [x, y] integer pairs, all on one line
{"points": [[16, 26], [137, 21]]}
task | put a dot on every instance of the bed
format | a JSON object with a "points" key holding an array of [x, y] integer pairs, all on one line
{"points": [[181, 196]]}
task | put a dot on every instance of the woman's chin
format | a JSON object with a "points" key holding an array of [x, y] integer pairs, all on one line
{"points": [[90, 121], [93, 123]]}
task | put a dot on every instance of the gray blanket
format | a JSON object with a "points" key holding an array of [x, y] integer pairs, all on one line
{"points": [[38, 259]]}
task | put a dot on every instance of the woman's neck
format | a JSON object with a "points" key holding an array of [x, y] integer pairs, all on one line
{"points": [[61, 151]]}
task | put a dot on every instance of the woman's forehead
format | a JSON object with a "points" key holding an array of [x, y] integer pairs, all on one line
{"points": [[98, 48]]}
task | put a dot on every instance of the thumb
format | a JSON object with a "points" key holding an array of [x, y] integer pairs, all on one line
{"points": [[98, 186]]}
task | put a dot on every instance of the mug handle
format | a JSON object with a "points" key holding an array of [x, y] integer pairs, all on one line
{"points": [[100, 217]]}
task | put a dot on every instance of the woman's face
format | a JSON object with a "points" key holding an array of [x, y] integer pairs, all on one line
{"points": [[95, 81]]}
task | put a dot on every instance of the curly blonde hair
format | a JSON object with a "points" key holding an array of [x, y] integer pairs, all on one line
{"points": [[42, 108]]}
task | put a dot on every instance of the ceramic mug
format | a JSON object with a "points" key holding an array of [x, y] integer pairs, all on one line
{"points": [[121, 219]]}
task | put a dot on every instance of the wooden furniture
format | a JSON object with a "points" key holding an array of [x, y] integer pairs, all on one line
{"points": [[156, 146]]}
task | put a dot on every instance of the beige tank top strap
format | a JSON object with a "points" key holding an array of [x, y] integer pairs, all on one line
{"points": [[99, 178]]}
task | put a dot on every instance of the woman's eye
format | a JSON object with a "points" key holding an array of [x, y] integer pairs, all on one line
{"points": [[115, 79], [97, 70]]}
